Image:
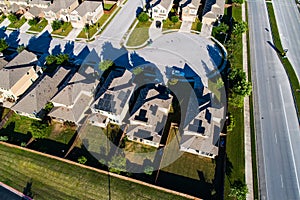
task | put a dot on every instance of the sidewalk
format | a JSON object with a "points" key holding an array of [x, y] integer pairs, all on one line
{"points": [[247, 129]]}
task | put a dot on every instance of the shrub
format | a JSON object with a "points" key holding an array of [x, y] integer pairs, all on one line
{"points": [[3, 138], [20, 48], [143, 17], [239, 28], [56, 25], [82, 160], [174, 19], [148, 170], [12, 18], [3, 45], [33, 22]]}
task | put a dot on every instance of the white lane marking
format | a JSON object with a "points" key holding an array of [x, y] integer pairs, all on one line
{"points": [[275, 137], [291, 146], [281, 180]]}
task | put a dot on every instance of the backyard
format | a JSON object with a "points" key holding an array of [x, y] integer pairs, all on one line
{"points": [[39, 26], [140, 34], [48, 178]]}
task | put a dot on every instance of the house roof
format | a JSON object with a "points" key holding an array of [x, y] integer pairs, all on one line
{"points": [[36, 99], [76, 112], [164, 3], [2, 63], [35, 11], [88, 6], [17, 68], [143, 132], [117, 95], [213, 8], [84, 81], [194, 3], [59, 4]]}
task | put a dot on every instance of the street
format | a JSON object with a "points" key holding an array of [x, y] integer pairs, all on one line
{"points": [[276, 122]]}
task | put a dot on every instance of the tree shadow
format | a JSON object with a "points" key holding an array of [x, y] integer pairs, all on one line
{"points": [[13, 136], [229, 167], [56, 50]]}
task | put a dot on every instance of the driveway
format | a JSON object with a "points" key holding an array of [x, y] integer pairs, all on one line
{"points": [[186, 26], [24, 27], [155, 32], [5, 23], [73, 34], [206, 30]]}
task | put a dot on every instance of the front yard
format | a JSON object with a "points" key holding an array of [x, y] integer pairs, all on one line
{"points": [[40, 26], [2, 18], [140, 34], [18, 23], [168, 24], [65, 29], [197, 25]]}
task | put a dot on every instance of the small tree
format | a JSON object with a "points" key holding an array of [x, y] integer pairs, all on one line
{"points": [[3, 45], [238, 190], [143, 17], [239, 28], [105, 65], [20, 48], [33, 22], [117, 164], [39, 130], [238, 1], [48, 107], [82, 160], [56, 25], [148, 170], [239, 83], [62, 59], [137, 70], [51, 59], [174, 19], [12, 18], [222, 28]]}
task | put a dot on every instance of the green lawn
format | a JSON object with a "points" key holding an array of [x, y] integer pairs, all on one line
{"points": [[170, 25], [235, 163], [65, 29], [197, 25], [2, 18], [140, 34], [40, 26], [137, 153], [108, 6], [287, 65], [18, 23], [93, 29], [52, 179], [186, 170]]}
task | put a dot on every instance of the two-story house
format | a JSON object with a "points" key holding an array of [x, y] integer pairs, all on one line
{"points": [[18, 75], [60, 10], [188, 9], [87, 13], [113, 101], [159, 9]]}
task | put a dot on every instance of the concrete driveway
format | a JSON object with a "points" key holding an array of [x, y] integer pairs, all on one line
{"points": [[186, 26], [155, 32], [24, 27], [5, 23], [73, 34]]}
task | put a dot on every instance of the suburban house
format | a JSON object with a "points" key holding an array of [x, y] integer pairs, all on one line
{"points": [[212, 11], [202, 127], [33, 12], [87, 13], [33, 103], [27, 3], [3, 9], [114, 96], [188, 9], [60, 10], [159, 9], [71, 103], [17, 9], [18, 75], [149, 116]]}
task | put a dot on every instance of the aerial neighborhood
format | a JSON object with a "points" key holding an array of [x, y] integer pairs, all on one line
{"points": [[144, 99]]}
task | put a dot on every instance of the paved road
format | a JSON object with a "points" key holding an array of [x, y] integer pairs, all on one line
{"points": [[276, 123], [288, 21]]}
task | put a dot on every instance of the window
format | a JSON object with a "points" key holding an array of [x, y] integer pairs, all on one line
{"points": [[155, 10]]}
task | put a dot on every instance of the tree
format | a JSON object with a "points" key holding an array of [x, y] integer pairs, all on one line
{"points": [[12, 18], [220, 83], [51, 59], [143, 17], [86, 31], [238, 82], [33, 22], [236, 100], [136, 71], [82, 160], [62, 59], [3, 45], [105, 65], [148, 170], [222, 28], [56, 25], [238, 1], [39, 130], [48, 107], [238, 190], [239, 28], [174, 19], [20, 48], [117, 164]]}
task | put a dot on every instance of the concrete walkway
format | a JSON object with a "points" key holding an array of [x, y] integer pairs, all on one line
{"points": [[24, 27], [247, 129], [5, 23], [186, 26], [206, 30]]}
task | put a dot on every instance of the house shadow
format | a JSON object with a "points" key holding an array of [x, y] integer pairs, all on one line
{"points": [[56, 50], [13, 39], [198, 188], [13, 136], [40, 44]]}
